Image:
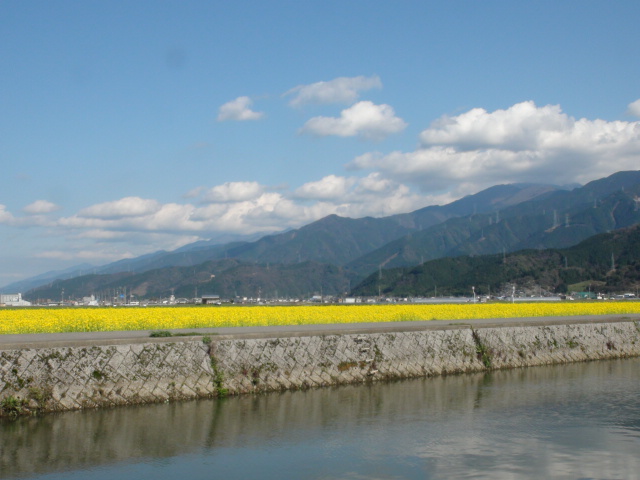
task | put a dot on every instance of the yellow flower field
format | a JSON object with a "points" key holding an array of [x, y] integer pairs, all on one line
{"points": [[93, 319]]}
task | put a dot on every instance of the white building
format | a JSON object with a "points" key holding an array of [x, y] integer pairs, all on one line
{"points": [[13, 300], [90, 301]]}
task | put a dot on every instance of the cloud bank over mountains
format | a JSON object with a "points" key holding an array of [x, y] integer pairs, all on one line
{"points": [[524, 142], [455, 156]]}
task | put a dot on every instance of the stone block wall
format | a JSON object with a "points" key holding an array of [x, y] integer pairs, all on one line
{"points": [[302, 362], [83, 377], [50, 379], [542, 345]]}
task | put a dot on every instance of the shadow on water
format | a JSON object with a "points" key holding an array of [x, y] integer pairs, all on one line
{"points": [[506, 422]]}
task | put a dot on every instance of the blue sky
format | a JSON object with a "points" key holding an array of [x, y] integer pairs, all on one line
{"points": [[133, 126]]}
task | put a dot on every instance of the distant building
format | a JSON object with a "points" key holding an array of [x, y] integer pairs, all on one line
{"points": [[585, 295], [90, 301], [211, 300], [13, 300]]}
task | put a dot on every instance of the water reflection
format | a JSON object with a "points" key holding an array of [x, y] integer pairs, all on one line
{"points": [[573, 421]]}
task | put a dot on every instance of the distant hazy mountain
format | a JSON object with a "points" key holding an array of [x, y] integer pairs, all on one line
{"points": [[47, 277], [228, 278], [191, 254], [222, 239]]}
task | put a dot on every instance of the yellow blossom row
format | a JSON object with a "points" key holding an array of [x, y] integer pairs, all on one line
{"points": [[93, 319]]}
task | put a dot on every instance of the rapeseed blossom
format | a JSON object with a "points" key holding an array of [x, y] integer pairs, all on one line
{"points": [[95, 319]]}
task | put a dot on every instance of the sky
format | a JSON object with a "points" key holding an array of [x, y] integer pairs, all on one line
{"points": [[128, 127]]}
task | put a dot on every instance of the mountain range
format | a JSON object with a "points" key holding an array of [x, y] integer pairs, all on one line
{"points": [[333, 254], [606, 262]]}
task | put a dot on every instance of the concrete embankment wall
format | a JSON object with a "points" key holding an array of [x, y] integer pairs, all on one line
{"points": [[157, 370]]}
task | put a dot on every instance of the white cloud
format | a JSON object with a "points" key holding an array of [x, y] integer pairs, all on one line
{"points": [[376, 196], [6, 217], [194, 192], [239, 207], [133, 226], [522, 126], [375, 183], [634, 108], [125, 207], [233, 192], [35, 220], [330, 187], [364, 119], [105, 235], [102, 246], [170, 217], [238, 109], [76, 255], [343, 90], [267, 212], [477, 149], [358, 197], [40, 207], [177, 219]]}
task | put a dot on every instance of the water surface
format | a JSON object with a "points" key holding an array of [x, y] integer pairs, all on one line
{"points": [[574, 421]]}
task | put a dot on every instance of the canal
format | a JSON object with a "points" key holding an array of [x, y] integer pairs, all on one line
{"points": [[571, 421]]}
